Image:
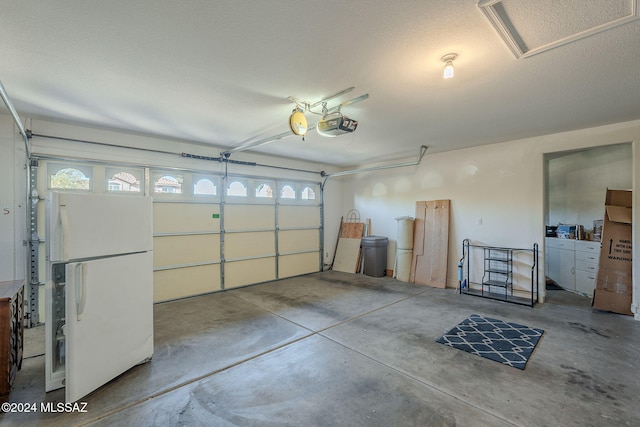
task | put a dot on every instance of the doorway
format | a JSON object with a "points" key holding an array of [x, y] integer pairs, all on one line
{"points": [[575, 189]]}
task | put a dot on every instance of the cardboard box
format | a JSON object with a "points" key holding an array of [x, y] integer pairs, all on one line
{"points": [[614, 285]]}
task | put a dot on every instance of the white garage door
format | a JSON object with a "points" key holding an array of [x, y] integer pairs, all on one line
{"points": [[262, 240], [234, 231]]}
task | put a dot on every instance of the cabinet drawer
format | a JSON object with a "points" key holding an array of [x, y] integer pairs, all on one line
{"points": [[587, 246], [587, 256], [585, 282], [554, 242], [586, 265]]}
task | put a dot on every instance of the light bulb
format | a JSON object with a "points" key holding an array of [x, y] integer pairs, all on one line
{"points": [[448, 70], [448, 64]]}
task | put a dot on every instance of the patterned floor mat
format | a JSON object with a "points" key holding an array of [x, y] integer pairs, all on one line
{"points": [[504, 342]]}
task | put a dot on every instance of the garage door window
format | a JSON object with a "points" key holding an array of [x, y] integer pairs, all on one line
{"points": [[65, 177], [168, 184], [205, 187], [288, 192], [308, 194], [264, 190], [129, 180], [237, 188]]}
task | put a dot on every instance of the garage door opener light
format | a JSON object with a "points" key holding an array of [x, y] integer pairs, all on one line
{"points": [[298, 122]]}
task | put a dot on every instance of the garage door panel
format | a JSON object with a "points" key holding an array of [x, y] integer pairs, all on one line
{"points": [[295, 265], [187, 249], [298, 240], [244, 245], [184, 282], [240, 273], [298, 216], [243, 217], [185, 217]]}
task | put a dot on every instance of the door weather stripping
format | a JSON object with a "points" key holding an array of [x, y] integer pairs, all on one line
{"points": [[16, 118], [423, 149]]}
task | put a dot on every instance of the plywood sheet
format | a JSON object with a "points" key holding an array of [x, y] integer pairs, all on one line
{"points": [[347, 255], [431, 243], [352, 230]]}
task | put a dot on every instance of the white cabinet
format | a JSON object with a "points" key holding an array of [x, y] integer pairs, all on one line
{"points": [[587, 257], [560, 258], [572, 264]]}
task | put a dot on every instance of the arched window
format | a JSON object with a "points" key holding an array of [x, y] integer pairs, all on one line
{"points": [[308, 194], [205, 186], [168, 184], [69, 179], [287, 192], [264, 190], [123, 181], [236, 188]]}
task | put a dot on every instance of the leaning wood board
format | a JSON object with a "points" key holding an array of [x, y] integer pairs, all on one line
{"points": [[431, 243], [352, 230], [347, 255]]}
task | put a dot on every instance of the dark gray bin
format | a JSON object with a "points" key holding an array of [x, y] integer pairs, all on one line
{"points": [[374, 253]]}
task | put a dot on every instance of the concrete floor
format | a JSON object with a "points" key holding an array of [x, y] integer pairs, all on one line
{"points": [[337, 349]]}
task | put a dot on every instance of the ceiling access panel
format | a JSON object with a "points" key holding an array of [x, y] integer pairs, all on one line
{"points": [[532, 27]]}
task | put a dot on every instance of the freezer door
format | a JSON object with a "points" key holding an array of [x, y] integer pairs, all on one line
{"points": [[84, 226], [54, 327], [109, 320]]}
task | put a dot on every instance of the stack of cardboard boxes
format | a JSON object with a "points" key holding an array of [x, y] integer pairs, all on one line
{"points": [[614, 285]]}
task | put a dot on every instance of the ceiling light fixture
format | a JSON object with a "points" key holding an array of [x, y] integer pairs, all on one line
{"points": [[448, 67], [298, 122]]}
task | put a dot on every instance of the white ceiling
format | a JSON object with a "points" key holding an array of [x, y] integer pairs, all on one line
{"points": [[220, 71]]}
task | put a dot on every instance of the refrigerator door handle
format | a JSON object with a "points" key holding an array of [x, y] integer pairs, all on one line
{"points": [[81, 289], [64, 224]]}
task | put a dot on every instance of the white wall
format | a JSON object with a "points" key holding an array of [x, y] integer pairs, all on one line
{"points": [[496, 191], [578, 181], [13, 202]]}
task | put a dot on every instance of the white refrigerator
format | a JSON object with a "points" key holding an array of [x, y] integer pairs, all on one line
{"points": [[99, 289]]}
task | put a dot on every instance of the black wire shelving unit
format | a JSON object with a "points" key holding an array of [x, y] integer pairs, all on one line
{"points": [[488, 272]]}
